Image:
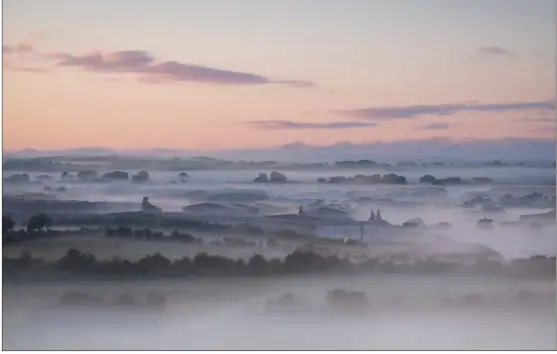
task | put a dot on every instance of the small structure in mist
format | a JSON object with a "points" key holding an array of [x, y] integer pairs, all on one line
{"points": [[485, 223], [375, 228], [147, 206]]}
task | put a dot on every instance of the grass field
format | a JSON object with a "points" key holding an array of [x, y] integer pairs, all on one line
{"points": [[131, 249]]}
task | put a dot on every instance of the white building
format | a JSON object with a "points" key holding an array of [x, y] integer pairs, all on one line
{"points": [[365, 231]]}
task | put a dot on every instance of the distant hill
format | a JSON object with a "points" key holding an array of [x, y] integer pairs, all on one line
{"points": [[439, 149]]}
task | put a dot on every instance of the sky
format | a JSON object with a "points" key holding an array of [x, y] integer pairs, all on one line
{"points": [[221, 74]]}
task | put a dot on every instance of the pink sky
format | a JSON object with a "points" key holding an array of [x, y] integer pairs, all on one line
{"points": [[507, 83]]}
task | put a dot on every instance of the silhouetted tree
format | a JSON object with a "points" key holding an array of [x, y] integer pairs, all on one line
{"points": [[124, 231], [296, 262], [7, 224], [77, 261], [183, 266], [183, 176], [109, 232], [176, 235], [141, 176], [39, 222], [347, 300], [262, 177], [257, 264], [87, 175], [203, 261], [147, 233], [427, 179], [277, 177], [155, 235], [401, 180], [154, 264], [18, 178], [115, 175]]}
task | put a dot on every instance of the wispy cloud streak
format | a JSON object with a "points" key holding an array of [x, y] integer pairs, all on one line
{"points": [[540, 120], [496, 51], [151, 70], [415, 111], [17, 49], [435, 126], [292, 125]]}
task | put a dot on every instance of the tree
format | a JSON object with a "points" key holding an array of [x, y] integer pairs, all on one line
{"points": [[141, 176], [87, 175], [183, 176], [257, 264], [39, 222], [154, 264], [124, 231], [115, 175], [277, 177], [7, 224], [261, 178], [66, 175]]}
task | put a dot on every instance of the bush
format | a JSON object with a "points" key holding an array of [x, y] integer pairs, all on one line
{"points": [[347, 300], [39, 222], [141, 176], [297, 262], [186, 238], [257, 264], [7, 224]]}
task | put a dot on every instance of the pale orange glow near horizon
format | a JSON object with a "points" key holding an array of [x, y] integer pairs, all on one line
{"points": [[76, 110]]}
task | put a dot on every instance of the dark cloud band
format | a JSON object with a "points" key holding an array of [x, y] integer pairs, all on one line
{"points": [[292, 125], [415, 111], [152, 70]]}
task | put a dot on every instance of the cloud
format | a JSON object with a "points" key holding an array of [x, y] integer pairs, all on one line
{"points": [[409, 112], [435, 126], [540, 120], [25, 47], [8, 66], [17, 49], [542, 130], [145, 65], [23, 58], [496, 51], [152, 70], [291, 125], [120, 61]]}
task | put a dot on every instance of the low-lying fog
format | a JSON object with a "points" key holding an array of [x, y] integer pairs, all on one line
{"points": [[433, 204], [404, 312], [419, 312]]}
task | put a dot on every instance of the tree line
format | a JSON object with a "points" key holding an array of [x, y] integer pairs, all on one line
{"points": [[39, 222], [80, 263]]}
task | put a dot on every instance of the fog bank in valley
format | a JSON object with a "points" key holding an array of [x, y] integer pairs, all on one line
{"points": [[399, 256]]}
